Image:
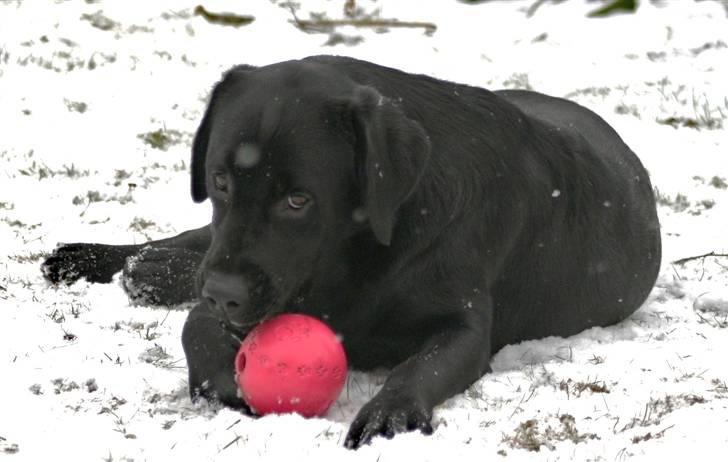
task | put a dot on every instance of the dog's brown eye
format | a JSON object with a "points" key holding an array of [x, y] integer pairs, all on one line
{"points": [[298, 200], [220, 181]]}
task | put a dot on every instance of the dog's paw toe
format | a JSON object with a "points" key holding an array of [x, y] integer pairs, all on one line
{"points": [[388, 416], [160, 276], [224, 392], [70, 262]]}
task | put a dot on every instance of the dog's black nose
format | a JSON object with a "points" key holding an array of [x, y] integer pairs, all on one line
{"points": [[227, 293]]}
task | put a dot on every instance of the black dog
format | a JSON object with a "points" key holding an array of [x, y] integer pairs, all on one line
{"points": [[429, 223]]}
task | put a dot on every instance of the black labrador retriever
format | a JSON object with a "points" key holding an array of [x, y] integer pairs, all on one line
{"points": [[429, 223]]}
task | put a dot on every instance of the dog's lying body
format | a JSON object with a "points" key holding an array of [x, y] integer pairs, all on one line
{"points": [[429, 223]]}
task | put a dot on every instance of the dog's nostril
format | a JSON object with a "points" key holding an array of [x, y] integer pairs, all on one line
{"points": [[225, 292]]}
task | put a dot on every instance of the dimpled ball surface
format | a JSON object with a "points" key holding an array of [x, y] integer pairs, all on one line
{"points": [[291, 363]]}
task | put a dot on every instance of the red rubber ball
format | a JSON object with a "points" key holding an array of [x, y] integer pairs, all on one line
{"points": [[291, 363]]}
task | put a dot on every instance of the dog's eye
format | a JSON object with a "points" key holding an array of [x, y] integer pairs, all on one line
{"points": [[220, 181], [298, 200]]}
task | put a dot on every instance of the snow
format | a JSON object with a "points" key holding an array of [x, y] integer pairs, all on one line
{"points": [[86, 376]]}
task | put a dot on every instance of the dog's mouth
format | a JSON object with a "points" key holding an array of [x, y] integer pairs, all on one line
{"points": [[262, 293], [289, 298], [261, 298], [268, 295]]}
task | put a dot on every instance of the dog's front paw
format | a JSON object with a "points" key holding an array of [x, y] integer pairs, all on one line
{"points": [[94, 262], [386, 415], [161, 276], [221, 390]]}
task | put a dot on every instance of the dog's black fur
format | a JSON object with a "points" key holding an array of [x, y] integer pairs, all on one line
{"points": [[429, 223]]}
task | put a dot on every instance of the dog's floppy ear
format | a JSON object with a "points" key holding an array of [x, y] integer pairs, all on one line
{"points": [[391, 154], [202, 137], [199, 155]]}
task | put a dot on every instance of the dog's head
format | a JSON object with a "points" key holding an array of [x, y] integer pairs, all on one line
{"points": [[297, 159]]}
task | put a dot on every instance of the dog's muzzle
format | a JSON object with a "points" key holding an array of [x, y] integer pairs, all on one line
{"points": [[239, 298]]}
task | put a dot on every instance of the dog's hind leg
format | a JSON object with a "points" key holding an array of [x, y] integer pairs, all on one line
{"points": [[158, 272]]}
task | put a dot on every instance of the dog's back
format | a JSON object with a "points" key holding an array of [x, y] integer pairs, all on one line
{"points": [[597, 266], [566, 209]]}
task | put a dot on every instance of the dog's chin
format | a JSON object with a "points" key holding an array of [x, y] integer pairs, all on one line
{"points": [[296, 299], [242, 324]]}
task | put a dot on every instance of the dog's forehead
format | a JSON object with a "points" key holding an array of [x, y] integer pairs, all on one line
{"points": [[294, 151], [275, 136], [299, 77], [278, 117]]}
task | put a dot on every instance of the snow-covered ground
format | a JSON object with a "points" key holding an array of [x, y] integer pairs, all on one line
{"points": [[98, 104]]}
